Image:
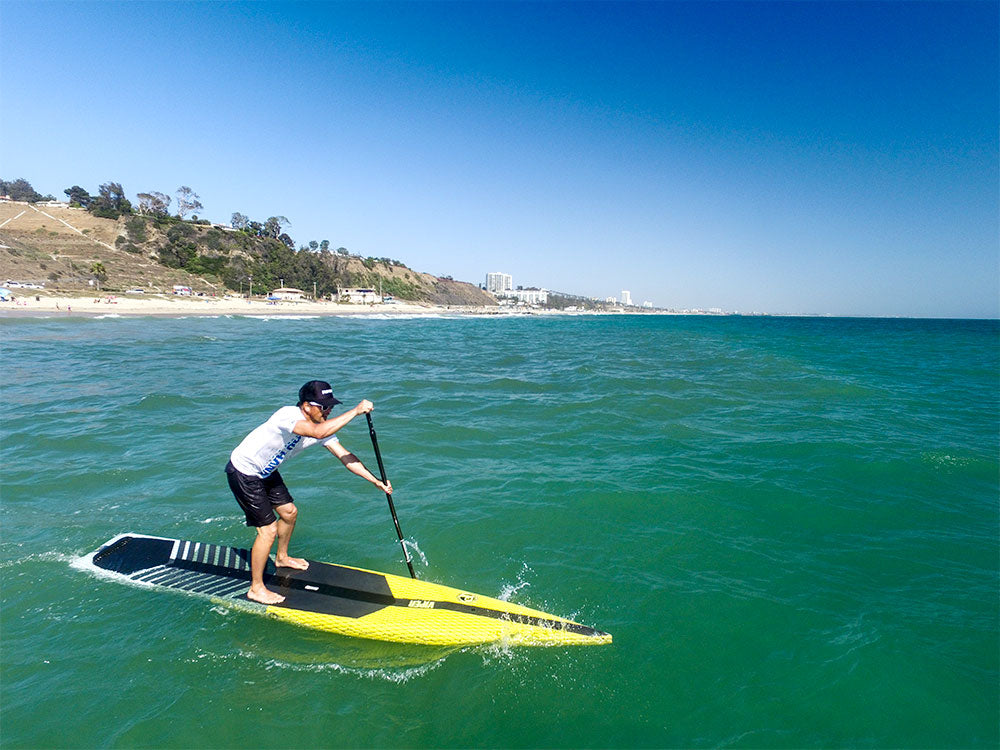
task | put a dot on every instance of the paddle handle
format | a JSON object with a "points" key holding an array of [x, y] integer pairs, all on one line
{"points": [[392, 508]]}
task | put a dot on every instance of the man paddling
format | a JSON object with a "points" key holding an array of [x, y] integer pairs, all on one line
{"points": [[253, 475]]}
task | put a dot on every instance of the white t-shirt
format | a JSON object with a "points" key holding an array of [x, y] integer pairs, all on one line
{"points": [[263, 450]]}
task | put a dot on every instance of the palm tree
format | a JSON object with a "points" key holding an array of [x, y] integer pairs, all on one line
{"points": [[100, 273]]}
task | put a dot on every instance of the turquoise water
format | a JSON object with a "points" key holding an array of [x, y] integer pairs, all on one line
{"points": [[789, 525]]}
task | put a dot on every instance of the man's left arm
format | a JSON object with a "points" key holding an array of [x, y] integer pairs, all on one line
{"points": [[353, 464]]}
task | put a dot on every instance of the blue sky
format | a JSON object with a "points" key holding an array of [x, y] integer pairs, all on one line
{"points": [[835, 158]]}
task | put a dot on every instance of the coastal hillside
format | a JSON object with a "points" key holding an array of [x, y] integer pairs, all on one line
{"points": [[70, 249]]}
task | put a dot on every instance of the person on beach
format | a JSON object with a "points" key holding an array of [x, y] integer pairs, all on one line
{"points": [[253, 475]]}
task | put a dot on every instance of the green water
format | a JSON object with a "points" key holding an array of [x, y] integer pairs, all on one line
{"points": [[790, 526]]}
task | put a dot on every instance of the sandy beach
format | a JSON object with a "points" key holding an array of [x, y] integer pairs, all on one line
{"points": [[47, 303]]}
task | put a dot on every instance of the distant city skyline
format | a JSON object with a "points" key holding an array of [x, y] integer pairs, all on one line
{"points": [[502, 285], [816, 158]]}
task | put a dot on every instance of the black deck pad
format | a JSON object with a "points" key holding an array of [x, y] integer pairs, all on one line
{"points": [[216, 570]]}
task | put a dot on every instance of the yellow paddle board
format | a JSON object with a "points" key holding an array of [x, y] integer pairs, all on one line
{"points": [[338, 598]]}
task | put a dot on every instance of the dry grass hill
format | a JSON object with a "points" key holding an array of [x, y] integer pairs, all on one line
{"points": [[57, 245], [54, 244]]}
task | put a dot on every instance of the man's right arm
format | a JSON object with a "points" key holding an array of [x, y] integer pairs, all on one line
{"points": [[329, 427]]}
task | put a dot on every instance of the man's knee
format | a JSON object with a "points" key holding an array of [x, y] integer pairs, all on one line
{"points": [[269, 532], [288, 512]]}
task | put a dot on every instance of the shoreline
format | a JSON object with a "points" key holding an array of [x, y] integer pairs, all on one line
{"points": [[164, 305], [170, 307], [63, 305]]}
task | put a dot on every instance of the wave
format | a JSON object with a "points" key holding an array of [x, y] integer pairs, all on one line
{"points": [[277, 317], [52, 556], [384, 664]]}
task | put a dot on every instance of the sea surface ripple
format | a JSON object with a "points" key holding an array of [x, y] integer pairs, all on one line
{"points": [[790, 525]]}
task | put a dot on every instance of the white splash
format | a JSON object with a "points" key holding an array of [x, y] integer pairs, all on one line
{"points": [[509, 589], [216, 519], [411, 547]]}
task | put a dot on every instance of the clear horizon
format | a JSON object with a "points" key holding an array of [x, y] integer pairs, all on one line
{"points": [[789, 158]]}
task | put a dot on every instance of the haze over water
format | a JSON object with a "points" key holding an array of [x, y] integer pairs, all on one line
{"points": [[789, 525]]}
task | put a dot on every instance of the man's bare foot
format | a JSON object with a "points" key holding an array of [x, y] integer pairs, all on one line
{"points": [[264, 596], [291, 562]]}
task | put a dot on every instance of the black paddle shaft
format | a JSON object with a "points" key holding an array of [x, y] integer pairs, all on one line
{"points": [[392, 508]]}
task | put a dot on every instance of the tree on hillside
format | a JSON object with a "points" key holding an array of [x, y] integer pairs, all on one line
{"points": [[239, 221], [78, 196], [100, 273], [274, 225], [111, 202], [154, 204], [324, 246], [21, 190], [187, 201], [114, 194]]}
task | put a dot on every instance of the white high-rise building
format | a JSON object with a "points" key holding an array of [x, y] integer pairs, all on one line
{"points": [[626, 297], [499, 283]]}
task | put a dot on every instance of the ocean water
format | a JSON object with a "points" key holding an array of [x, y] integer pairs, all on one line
{"points": [[789, 525]]}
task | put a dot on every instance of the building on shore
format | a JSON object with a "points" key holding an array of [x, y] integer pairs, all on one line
{"points": [[502, 285], [289, 294], [357, 296], [499, 283], [626, 297], [529, 296]]}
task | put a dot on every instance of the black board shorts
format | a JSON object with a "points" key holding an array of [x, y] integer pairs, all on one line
{"points": [[258, 497]]}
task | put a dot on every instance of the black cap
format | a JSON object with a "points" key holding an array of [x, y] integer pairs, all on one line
{"points": [[318, 392]]}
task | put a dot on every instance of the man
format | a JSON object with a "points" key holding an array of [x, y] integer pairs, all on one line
{"points": [[253, 475]]}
